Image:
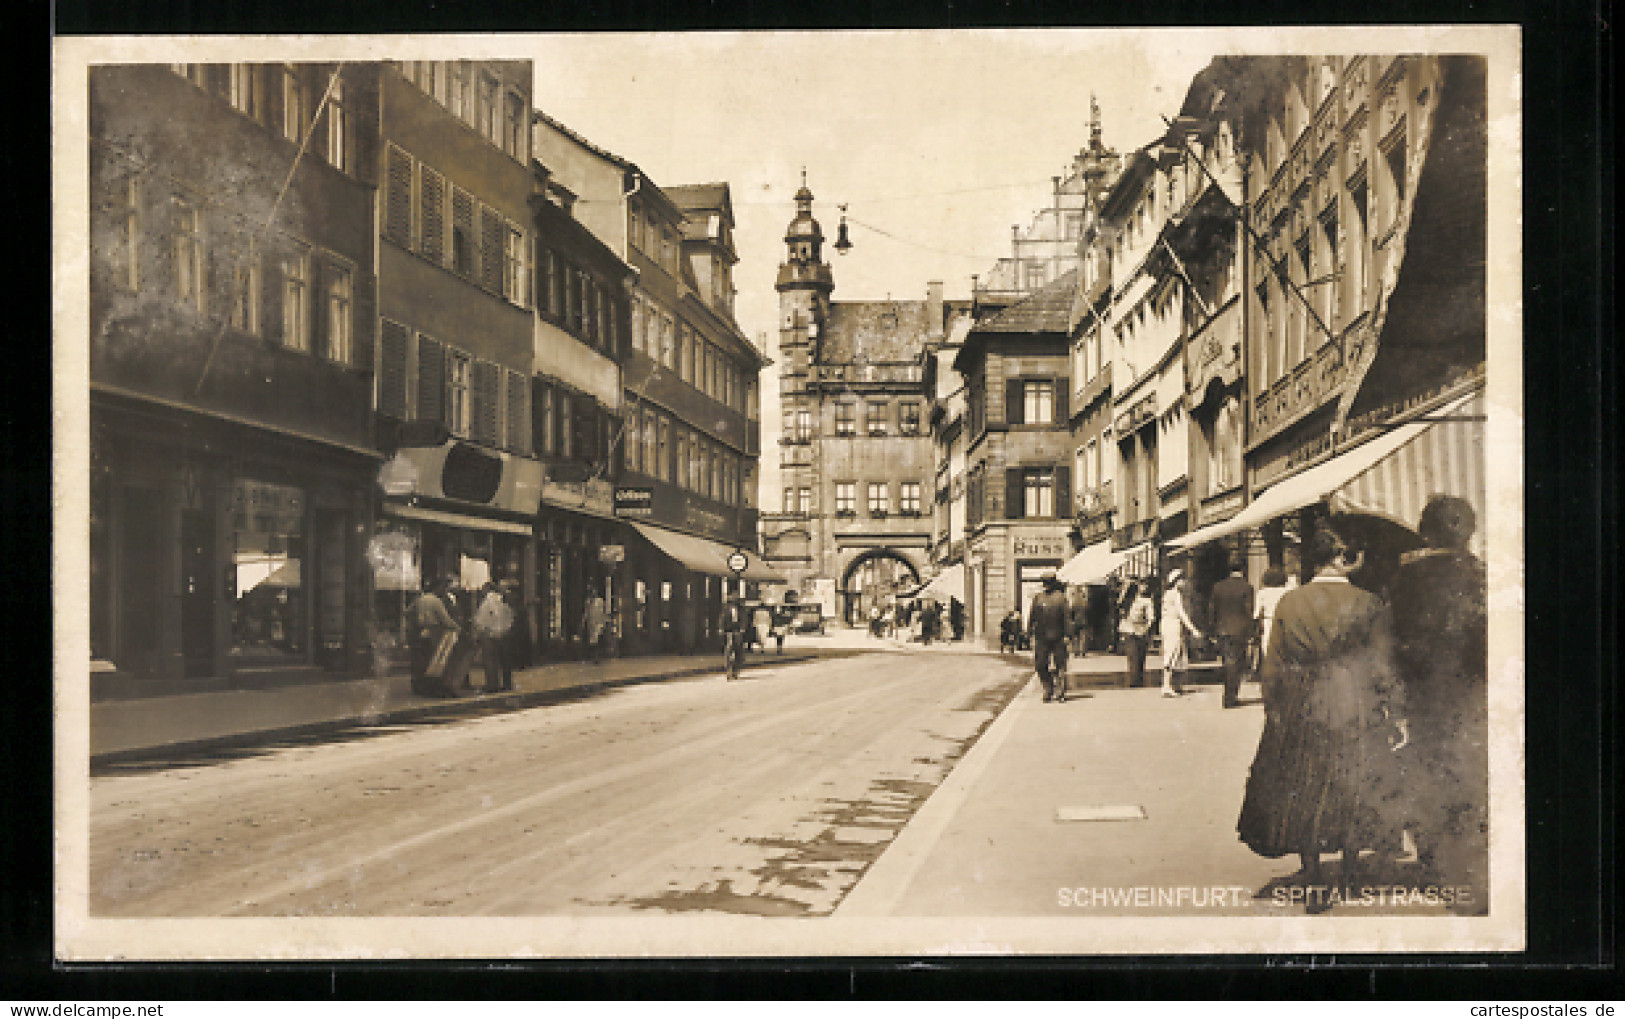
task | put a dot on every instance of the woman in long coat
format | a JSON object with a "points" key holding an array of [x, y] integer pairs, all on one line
{"points": [[1324, 779]]}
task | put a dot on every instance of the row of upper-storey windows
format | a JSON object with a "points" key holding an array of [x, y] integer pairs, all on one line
{"points": [[877, 419], [292, 99], [425, 212], [659, 241], [659, 446], [421, 378], [475, 96], [678, 346], [878, 498], [577, 301], [158, 238]]}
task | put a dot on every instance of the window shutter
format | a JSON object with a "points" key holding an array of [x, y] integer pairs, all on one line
{"points": [[1063, 493], [487, 386], [1014, 407], [462, 219], [491, 253], [365, 324], [398, 197], [431, 380], [1061, 387], [518, 413], [432, 216], [1015, 493], [392, 370]]}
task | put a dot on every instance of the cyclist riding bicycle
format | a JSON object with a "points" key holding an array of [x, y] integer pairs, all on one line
{"points": [[732, 625]]}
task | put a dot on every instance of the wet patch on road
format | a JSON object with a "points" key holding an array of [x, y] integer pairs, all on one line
{"points": [[809, 869]]}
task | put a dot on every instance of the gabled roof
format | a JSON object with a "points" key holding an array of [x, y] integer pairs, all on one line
{"points": [[626, 166], [1047, 310]]}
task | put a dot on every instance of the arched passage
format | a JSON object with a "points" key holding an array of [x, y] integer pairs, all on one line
{"points": [[872, 579]]}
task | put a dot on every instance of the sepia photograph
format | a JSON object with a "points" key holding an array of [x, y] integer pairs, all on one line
{"points": [[894, 493]]}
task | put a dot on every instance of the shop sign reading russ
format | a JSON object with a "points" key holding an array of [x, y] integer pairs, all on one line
{"points": [[265, 508]]}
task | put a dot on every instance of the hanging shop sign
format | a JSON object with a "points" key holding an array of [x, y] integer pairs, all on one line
{"points": [[466, 473], [634, 501]]}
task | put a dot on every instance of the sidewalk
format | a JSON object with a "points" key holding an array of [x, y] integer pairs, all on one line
{"points": [[152, 727], [1164, 779]]}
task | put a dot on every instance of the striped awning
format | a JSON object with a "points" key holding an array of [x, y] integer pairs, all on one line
{"points": [[1392, 476], [1092, 565]]}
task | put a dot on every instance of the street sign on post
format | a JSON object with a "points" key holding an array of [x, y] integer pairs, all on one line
{"points": [[737, 561]]}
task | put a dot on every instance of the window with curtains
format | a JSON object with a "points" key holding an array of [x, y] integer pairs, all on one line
{"points": [[1038, 494], [846, 419], [1038, 402], [908, 501], [191, 257], [908, 418], [879, 498], [340, 313], [296, 301], [846, 498], [877, 415], [338, 128], [459, 402]]}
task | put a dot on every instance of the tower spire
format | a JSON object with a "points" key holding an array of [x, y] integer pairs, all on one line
{"points": [[1094, 123]]}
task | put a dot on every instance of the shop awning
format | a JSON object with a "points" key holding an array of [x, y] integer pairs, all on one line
{"points": [[1092, 565], [703, 555], [1392, 476], [469, 521], [950, 583]]}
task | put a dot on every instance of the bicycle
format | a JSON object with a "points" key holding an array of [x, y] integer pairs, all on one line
{"points": [[731, 653]]}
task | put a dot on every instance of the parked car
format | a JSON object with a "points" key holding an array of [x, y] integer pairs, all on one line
{"points": [[807, 619]]}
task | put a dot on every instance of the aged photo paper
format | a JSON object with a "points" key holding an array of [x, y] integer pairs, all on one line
{"points": [[930, 493]]}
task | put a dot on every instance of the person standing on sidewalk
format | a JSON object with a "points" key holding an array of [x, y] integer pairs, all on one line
{"points": [[592, 627], [1176, 624], [1324, 778], [1264, 612], [1134, 631], [1440, 610], [492, 621], [1049, 623], [1232, 601], [431, 622]]}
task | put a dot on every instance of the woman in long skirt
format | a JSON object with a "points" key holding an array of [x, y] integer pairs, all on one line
{"points": [[1324, 778]]}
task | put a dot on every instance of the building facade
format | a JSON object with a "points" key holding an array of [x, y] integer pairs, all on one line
{"points": [[231, 361], [456, 334], [687, 449], [1363, 294], [857, 463], [1018, 451]]}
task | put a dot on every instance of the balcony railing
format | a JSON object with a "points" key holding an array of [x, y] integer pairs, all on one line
{"points": [[1134, 533]]}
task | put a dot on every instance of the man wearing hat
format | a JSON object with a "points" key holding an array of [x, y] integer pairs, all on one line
{"points": [[1049, 624]]}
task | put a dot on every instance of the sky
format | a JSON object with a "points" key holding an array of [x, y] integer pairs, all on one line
{"points": [[936, 141]]}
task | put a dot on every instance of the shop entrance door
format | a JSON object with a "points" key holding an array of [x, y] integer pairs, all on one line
{"points": [[139, 559], [330, 588], [197, 592]]}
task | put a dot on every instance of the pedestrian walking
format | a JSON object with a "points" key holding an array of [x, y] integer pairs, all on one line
{"points": [[1134, 630], [1440, 622], [956, 617], [1177, 628], [761, 619], [1232, 606], [593, 618], [492, 622], [1324, 778], [1049, 624], [1274, 586]]}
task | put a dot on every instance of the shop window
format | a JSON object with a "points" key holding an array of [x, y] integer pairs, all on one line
{"points": [[269, 604]]}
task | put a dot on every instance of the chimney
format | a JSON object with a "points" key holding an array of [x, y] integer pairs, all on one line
{"points": [[933, 308]]}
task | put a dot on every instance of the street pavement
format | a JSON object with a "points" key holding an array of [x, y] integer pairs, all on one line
{"points": [[770, 795], [906, 781]]}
